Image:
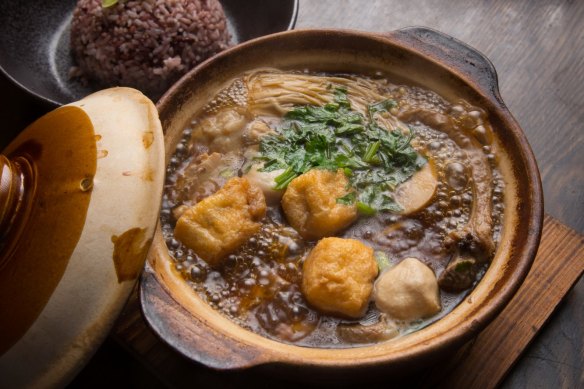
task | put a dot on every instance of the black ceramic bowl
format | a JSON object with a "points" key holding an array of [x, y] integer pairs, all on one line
{"points": [[34, 41]]}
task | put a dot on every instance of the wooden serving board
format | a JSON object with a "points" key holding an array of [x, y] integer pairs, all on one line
{"points": [[482, 363]]}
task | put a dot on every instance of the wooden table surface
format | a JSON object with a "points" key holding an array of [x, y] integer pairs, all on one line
{"points": [[537, 48]]}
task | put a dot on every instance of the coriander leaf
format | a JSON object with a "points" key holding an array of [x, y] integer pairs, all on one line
{"points": [[335, 137], [370, 151], [284, 179], [382, 260], [348, 199], [365, 209], [381, 106], [341, 97]]}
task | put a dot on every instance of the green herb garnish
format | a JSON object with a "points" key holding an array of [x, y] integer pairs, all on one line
{"points": [[227, 173], [108, 3], [382, 260], [334, 137], [347, 199], [463, 266]]}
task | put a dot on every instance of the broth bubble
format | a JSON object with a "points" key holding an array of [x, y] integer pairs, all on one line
{"points": [[456, 175]]}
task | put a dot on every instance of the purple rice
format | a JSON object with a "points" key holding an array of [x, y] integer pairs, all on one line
{"points": [[145, 44]]}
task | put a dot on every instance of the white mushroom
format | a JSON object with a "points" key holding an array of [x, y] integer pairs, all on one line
{"points": [[408, 291], [265, 181], [418, 191]]}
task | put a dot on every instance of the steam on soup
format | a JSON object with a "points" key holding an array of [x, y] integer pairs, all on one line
{"points": [[333, 210]]}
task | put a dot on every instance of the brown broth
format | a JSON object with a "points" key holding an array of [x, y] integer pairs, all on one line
{"points": [[258, 286]]}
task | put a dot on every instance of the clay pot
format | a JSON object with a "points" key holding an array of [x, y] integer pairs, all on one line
{"points": [[414, 55]]}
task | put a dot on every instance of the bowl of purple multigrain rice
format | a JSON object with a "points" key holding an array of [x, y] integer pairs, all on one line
{"points": [[61, 50]]}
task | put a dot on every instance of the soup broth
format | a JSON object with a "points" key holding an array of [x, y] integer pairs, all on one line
{"points": [[443, 209]]}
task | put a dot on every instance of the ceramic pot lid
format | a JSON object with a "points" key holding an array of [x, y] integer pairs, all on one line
{"points": [[80, 193]]}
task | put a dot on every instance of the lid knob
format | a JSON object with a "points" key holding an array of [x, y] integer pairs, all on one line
{"points": [[16, 181]]}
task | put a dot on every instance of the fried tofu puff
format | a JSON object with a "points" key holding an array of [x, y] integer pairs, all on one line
{"points": [[338, 277], [310, 203], [220, 223]]}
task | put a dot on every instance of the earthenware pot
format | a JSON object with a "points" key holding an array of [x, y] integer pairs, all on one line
{"points": [[414, 55]]}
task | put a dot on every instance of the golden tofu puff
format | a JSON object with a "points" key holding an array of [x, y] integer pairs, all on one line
{"points": [[407, 291], [311, 207], [338, 277], [220, 223]]}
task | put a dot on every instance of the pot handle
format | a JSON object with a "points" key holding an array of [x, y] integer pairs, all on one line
{"points": [[472, 65], [192, 336]]}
